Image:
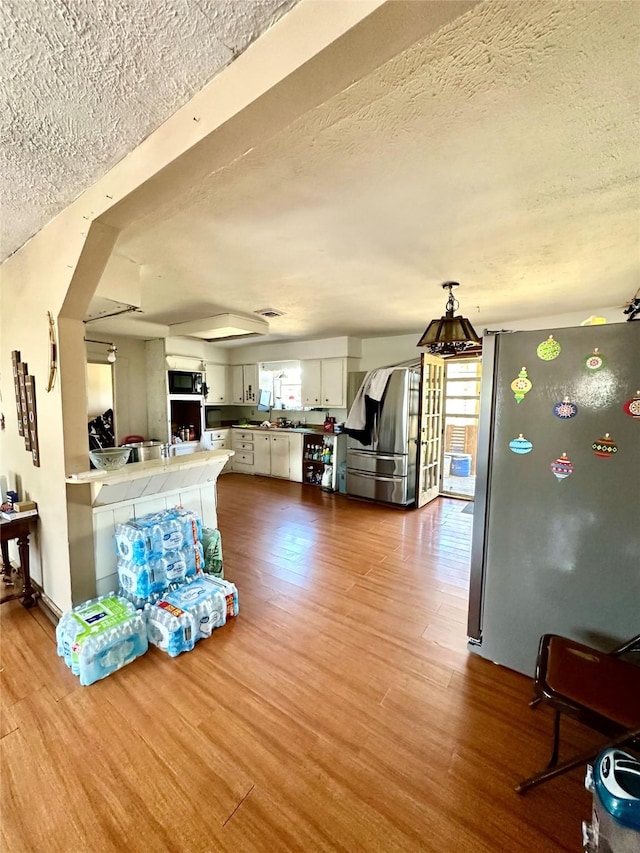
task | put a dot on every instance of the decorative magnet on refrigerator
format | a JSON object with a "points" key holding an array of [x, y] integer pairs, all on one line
{"points": [[521, 385], [562, 467], [632, 406], [549, 349], [595, 361], [565, 409], [520, 445], [605, 447]]}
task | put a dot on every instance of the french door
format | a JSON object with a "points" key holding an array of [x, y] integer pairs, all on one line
{"points": [[430, 434]]}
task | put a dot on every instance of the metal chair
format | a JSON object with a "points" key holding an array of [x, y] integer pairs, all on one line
{"points": [[599, 689]]}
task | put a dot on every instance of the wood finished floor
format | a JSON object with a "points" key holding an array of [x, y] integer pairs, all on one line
{"points": [[340, 711]]}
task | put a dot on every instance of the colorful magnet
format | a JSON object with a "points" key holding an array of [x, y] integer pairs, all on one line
{"points": [[549, 349], [562, 467], [605, 447], [521, 385], [632, 406], [595, 361], [520, 445], [565, 410]]}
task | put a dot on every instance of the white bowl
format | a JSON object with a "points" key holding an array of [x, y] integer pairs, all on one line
{"points": [[110, 458]]}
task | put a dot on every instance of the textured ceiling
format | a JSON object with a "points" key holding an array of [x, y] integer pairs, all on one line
{"points": [[500, 152], [83, 82]]}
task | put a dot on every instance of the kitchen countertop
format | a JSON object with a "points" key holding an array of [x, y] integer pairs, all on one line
{"points": [[306, 429], [136, 470]]}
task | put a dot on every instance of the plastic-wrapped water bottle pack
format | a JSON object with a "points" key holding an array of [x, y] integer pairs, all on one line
{"points": [[186, 615], [152, 535], [143, 580], [101, 636]]}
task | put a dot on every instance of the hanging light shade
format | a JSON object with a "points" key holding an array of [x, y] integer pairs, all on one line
{"points": [[449, 335]]}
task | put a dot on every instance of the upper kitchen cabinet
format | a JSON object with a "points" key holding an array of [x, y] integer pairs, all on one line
{"points": [[217, 379], [184, 362], [324, 383], [244, 383]]}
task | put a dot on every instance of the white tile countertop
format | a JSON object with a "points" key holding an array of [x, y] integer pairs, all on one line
{"points": [[136, 470]]}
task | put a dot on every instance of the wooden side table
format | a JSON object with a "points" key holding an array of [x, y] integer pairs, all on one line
{"points": [[18, 529]]}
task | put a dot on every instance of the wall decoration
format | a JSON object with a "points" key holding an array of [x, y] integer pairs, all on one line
{"points": [[605, 447], [30, 388], [520, 445], [15, 360], [565, 409], [632, 406], [549, 349], [521, 385], [562, 467], [23, 370], [53, 353], [25, 390], [595, 361]]}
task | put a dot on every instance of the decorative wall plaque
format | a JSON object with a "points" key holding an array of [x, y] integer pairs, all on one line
{"points": [[25, 391]]}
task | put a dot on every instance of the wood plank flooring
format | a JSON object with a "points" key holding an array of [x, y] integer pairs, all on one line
{"points": [[340, 711]]}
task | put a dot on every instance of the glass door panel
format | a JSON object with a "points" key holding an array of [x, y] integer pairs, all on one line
{"points": [[461, 411]]}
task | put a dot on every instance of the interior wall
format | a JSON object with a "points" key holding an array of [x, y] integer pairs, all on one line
{"points": [[99, 389]]}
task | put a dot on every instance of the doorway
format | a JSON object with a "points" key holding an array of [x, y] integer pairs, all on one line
{"points": [[461, 413]]}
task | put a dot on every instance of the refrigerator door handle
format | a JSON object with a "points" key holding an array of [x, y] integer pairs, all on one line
{"points": [[378, 477], [391, 456]]}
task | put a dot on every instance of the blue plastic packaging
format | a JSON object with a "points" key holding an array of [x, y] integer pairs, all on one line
{"points": [[186, 615], [101, 636]]}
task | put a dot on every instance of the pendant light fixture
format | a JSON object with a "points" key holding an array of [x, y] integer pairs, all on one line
{"points": [[449, 335], [112, 349]]}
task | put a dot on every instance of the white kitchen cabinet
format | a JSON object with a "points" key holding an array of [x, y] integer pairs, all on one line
{"points": [[243, 446], [184, 362], [324, 383], [262, 454], [217, 383], [244, 383], [271, 454], [280, 455]]}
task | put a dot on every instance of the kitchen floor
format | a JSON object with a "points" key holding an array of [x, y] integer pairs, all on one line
{"points": [[340, 711]]}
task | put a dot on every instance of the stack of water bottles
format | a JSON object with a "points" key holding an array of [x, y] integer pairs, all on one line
{"points": [[101, 636], [164, 598], [189, 613], [157, 551]]}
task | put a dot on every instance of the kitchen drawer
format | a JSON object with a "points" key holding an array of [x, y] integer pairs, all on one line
{"points": [[218, 434], [220, 445], [242, 435], [243, 445], [243, 458]]}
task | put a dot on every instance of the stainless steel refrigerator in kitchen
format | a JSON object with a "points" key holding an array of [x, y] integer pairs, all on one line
{"points": [[556, 527], [384, 469]]}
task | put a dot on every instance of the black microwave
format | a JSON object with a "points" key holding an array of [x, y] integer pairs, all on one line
{"points": [[185, 382]]}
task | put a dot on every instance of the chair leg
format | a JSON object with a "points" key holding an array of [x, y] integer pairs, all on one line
{"points": [[551, 773], [556, 741]]}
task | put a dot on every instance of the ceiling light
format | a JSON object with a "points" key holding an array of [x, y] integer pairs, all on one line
{"points": [[221, 326], [449, 335], [112, 349]]}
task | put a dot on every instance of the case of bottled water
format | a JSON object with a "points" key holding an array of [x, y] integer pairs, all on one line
{"points": [[170, 628], [153, 535], [143, 580], [230, 593], [201, 601], [101, 636]]}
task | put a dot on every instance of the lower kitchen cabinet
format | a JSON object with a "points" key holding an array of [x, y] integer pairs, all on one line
{"points": [[268, 453], [278, 455]]}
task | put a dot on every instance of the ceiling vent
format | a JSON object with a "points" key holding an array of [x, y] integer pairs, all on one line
{"points": [[220, 327], [269, 312]]}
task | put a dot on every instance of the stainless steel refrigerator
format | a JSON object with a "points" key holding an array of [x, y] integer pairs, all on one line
{"points": [[384, 469], [556, 539]]}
